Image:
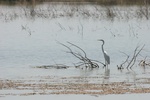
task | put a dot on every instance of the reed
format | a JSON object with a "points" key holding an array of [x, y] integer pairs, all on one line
{"points": [[57, 10]]}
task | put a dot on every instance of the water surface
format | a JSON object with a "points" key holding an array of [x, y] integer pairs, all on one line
{"points": [[31, 39]]}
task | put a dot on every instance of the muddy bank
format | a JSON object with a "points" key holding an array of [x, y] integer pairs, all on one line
{"points": [[70, 85]]}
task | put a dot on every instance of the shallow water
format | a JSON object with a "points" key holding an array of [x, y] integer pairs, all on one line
{"points": [[29, 42]]}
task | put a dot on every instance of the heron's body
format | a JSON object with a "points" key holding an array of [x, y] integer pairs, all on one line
{"points": [[107, 58]]}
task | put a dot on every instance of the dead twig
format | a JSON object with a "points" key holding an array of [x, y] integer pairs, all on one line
{"points": [[130, 63], [126, 61], [133, 60], [82, 56]]}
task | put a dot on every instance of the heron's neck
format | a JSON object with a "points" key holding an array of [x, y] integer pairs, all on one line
{"points": [[102, 48]]}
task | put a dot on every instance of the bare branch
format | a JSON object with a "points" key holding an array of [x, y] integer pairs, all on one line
{"points": [[133, 59], [136, 56], [84, 60], [78, 48]]}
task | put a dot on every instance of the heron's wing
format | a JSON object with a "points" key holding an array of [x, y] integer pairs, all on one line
{"points": [[107, 58]]}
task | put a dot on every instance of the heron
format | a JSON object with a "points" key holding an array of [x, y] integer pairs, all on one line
{"points": [[106, 56]]}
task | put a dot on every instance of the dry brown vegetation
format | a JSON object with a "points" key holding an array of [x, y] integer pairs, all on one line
{"points": [[69, 11]]}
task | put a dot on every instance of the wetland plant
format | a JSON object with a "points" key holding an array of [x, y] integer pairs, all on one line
{"points": [[55, 10]]}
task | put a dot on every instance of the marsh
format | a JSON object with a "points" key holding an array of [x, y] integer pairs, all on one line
{"points": [[29, 36]]}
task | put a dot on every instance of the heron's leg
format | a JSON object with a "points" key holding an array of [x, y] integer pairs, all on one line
{"points": [[107, 66], [104, 64]]}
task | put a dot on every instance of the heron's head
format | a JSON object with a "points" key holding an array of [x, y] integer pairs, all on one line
{"points": [[101, 40]]}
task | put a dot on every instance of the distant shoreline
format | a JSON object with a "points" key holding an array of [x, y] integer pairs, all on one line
{"points": [[99, 2]]}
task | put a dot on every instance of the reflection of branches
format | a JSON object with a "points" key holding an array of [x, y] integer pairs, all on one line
{"points": [[84, 60], [133, 59], [80, 29], [27, 29], [62, 28]]}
